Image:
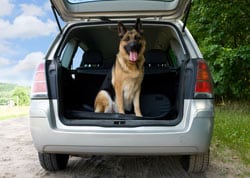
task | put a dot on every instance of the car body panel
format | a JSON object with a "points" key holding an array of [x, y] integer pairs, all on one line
{"points": [[192, 135]]}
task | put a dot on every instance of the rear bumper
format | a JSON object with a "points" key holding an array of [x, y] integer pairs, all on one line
{"points": [[192, 135]]}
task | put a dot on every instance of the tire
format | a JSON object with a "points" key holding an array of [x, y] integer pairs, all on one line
{"points": [[196, 163], [53, 162]]}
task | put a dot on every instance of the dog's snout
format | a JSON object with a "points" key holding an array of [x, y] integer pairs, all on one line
{"points": [[133, 46]]}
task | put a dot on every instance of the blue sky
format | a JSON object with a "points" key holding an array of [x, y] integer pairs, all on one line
{"points": [[27, 28]]}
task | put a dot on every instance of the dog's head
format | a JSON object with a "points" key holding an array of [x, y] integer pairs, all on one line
{"points": [[132, 44]]}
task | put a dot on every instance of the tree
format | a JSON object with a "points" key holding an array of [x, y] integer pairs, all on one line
{"points": [[21, 96], [222, 31]]}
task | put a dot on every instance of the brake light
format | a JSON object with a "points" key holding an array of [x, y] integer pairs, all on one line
{"points": [[39, 87], [203, 85]]}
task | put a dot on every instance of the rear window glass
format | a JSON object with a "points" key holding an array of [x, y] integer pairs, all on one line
{"points": [[85, 1]]}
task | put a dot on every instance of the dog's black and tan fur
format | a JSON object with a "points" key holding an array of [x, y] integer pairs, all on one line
{"points": [[126, 75]]}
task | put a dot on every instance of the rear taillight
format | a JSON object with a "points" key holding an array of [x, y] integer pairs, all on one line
{"points": [[39, 87], [203, 84]]}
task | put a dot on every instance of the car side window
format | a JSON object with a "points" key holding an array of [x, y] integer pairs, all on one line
{"points": [[77, 58], [68, 53]]}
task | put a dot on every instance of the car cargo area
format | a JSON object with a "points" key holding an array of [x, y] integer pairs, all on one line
{"points": [[86, 57]]}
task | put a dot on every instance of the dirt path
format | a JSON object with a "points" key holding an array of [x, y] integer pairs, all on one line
{"points": [[18, 158]]}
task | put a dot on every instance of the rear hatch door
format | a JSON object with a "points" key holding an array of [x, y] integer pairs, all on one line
{"points": [[74, 10]]}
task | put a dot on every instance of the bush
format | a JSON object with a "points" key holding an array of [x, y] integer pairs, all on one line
{"points": [[21, 96], [222, 30], [230, 69]]}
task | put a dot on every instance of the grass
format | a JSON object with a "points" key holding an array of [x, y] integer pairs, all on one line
{"points": [[7, 112], [232, 130]]}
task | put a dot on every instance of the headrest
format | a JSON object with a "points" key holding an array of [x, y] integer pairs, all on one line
{"points": [[92, 58], [155, 57]]}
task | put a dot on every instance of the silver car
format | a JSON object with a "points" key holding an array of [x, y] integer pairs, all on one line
{"points": [[176, 97]]}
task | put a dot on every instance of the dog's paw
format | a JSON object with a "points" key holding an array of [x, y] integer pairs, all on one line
{"points": [[138, 115]]}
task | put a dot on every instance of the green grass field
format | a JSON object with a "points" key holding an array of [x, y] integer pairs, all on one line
{"points": [[232, 130]]}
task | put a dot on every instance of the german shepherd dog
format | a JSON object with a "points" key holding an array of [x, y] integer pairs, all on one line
{"points": [[121, 88]]}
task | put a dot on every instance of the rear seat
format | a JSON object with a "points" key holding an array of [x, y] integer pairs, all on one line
{"points": [[156, 59], [91, 59], [89, 76], [157, 85]]}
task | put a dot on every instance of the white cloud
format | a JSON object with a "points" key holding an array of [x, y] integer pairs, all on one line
{"points": [[22, 72], [33, 21], [26, 26], [29, 62], [6, 8], [6, 48], [4, 62], [31, 9]]}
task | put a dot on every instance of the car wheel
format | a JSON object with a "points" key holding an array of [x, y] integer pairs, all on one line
{"points": [[196, 163], [53, 162]]}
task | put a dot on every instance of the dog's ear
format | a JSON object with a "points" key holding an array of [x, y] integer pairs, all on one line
{"points": [[138, 26], [121, 29]]}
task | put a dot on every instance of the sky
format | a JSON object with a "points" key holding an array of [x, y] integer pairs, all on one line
{"points": [[27, 29]]}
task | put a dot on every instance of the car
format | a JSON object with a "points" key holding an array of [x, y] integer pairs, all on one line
{"points": [[176, 100]]}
